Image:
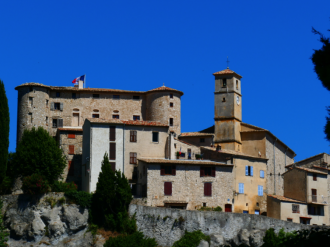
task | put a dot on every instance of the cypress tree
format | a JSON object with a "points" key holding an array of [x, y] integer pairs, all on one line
{"points": [[4, 131]]}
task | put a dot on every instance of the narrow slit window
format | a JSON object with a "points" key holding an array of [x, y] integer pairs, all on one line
{"points": [[223, 99], [171, 121]]}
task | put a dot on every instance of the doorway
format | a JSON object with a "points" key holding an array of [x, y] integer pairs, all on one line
{"points": [[75, 119], [228, 208]]}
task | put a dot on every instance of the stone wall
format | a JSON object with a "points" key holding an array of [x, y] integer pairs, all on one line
{"points": [[169, 225]]}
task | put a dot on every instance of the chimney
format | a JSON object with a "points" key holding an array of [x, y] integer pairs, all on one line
{"points": [[81, 84]]}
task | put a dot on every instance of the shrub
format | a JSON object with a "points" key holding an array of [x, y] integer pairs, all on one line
{"points": [[59, 186], [218, 209], [191, 239], [81, 198], [137, 239], [35, 184], [3, 231], [38, 152]]}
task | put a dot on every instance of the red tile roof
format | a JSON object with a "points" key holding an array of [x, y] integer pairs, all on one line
{"points": [[185, 134], [70, 129], [306, 170], [163, 88], [127, 122], [183, 162], [282, 198], [227, 72]]}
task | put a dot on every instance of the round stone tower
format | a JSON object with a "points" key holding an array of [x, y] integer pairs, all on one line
{"points": [[32, 107], [164, 105]]}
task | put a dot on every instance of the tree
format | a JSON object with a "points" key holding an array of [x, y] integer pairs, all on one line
{"points": [[4, 233], [4, 131], [111, 200], [321, 61], [38, 153]]}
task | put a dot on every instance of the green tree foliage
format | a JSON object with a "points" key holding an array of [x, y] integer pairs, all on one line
{"points": [[191, 239], [38, 153], [3, 231], [111, 200], [321, 61], [137, 239], [4, 131]]}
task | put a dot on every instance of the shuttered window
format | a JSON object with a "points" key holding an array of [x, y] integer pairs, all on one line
{"points": [[262, 174], [132, 158], [133, 136], [249, 171], [207, 189], [167, 188], [113, 166], [260, 190], [241, 188], [71, 135], [71, 149], [167, 170], [112, 133], [112, 151], [71, 168], [208, 171]]}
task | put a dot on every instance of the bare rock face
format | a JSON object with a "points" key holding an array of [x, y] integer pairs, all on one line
{"points": [[31, 219]]}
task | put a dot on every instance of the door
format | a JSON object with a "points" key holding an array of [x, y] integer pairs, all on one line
{"points": [[75, 119], [228, 208], [314, 195]]}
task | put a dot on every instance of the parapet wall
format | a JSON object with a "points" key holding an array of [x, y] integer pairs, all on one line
{"points": [[168, 225]]}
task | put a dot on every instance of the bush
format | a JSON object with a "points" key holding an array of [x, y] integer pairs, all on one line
{"points": [[3, 231], [137, 239], [218, 209], [35, 184], [191, 239], [81, 198], [38, 152], [59, 186]]}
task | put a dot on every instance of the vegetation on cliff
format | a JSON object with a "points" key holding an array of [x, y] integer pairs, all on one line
{"points": [[191, 239], [4, 131]]}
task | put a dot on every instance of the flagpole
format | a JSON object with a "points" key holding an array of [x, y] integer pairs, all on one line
{"points": [[85, 81]]}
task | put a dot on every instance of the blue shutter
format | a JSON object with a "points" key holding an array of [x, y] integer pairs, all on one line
{"points": [[260, 190], [251, 167], [246, 170], [241, 188], [262, 175]]}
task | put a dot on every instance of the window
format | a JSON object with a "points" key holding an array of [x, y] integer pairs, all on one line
{"points": [[249, 171], [47, 121], [132, 158], [223, 99], [260, 190], [115, 116], [112, 151], [57, 123], [136, 97], [58, 94], [30, 101], [207, 189], [314, 177], [314, 195], [295, 208], [171, 121], [167, 188], [47, 101], [95, 115], [224, 82], [133, 136], [71, 135], [207, 171], [236, 84], [257, 211], [167, 170], [71, 168], [204, 204], [262, 174], [171, 96], [171, 104], [289, 219], [71, 149], [112, 135], [74, 95], [241, 188], [136, 118], [30, 89], [316, 210], [56, 106], [113, 166], [202, 140], [154, 136], [257, 204], [30, 117], [189, 154], [116, 96], [183, 155], [96, 96], [245, 212]]}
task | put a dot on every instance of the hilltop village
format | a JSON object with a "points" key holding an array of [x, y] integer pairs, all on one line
{"points": [[235, 165]]}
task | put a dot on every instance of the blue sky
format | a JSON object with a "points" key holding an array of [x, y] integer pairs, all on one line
{"points": [[139, 45]]}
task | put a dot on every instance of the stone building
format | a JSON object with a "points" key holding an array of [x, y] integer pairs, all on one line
{"points": [[305, 197]]}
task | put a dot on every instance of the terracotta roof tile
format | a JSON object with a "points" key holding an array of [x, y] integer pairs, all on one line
{"points": [[306, 170], [70, 129], [227, 72], [236, 153], [282, 198], [127, 122], [185, 134], [183, 162], [164, 88]]}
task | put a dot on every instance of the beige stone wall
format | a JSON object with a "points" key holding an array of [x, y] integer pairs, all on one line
{"points": [[320, 185], [196, 140], [282, 157], [317, 160], [253, 143], [184, 149], [188, 186], [273, 208], [295, 185]]}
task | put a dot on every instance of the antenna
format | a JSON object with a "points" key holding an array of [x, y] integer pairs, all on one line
{"points": [[227, 63]]}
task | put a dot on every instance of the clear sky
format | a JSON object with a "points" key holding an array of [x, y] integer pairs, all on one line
{"points": [[139, 45]]}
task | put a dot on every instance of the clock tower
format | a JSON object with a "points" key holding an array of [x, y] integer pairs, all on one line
{"points": [[227, 110]]}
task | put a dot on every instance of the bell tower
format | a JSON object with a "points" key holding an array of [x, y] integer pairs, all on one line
{"points": [[227, 110]]}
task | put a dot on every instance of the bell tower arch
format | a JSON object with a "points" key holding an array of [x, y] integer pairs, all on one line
{"points": [[227, 110]]}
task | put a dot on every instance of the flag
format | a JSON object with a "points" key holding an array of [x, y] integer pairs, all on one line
{"points": [[180, 151], [80, 78]]}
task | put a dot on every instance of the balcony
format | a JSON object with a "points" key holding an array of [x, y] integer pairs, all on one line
{"points": [[317, 199]]}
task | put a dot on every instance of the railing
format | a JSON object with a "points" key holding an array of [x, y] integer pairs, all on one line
{"points": [[317, 199]]}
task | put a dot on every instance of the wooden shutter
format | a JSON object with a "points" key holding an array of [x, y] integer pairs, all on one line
{"points": [[207, 189], [134, 136], [173, 170], [71, 149], [251, 171], [52, 106], [202, 172], [61, 106], [168, 188], [112, 133], [60, 123], [134, 158], [131, 136], [113, 166], [71, 168], [246, 170], [72, 135], [213, 171], [112, 151], [162, 170]]}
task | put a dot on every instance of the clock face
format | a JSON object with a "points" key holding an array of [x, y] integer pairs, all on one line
{"points": [[237, 100]]}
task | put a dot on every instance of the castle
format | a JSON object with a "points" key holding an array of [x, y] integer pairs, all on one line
{"points": [[231, 164]]}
